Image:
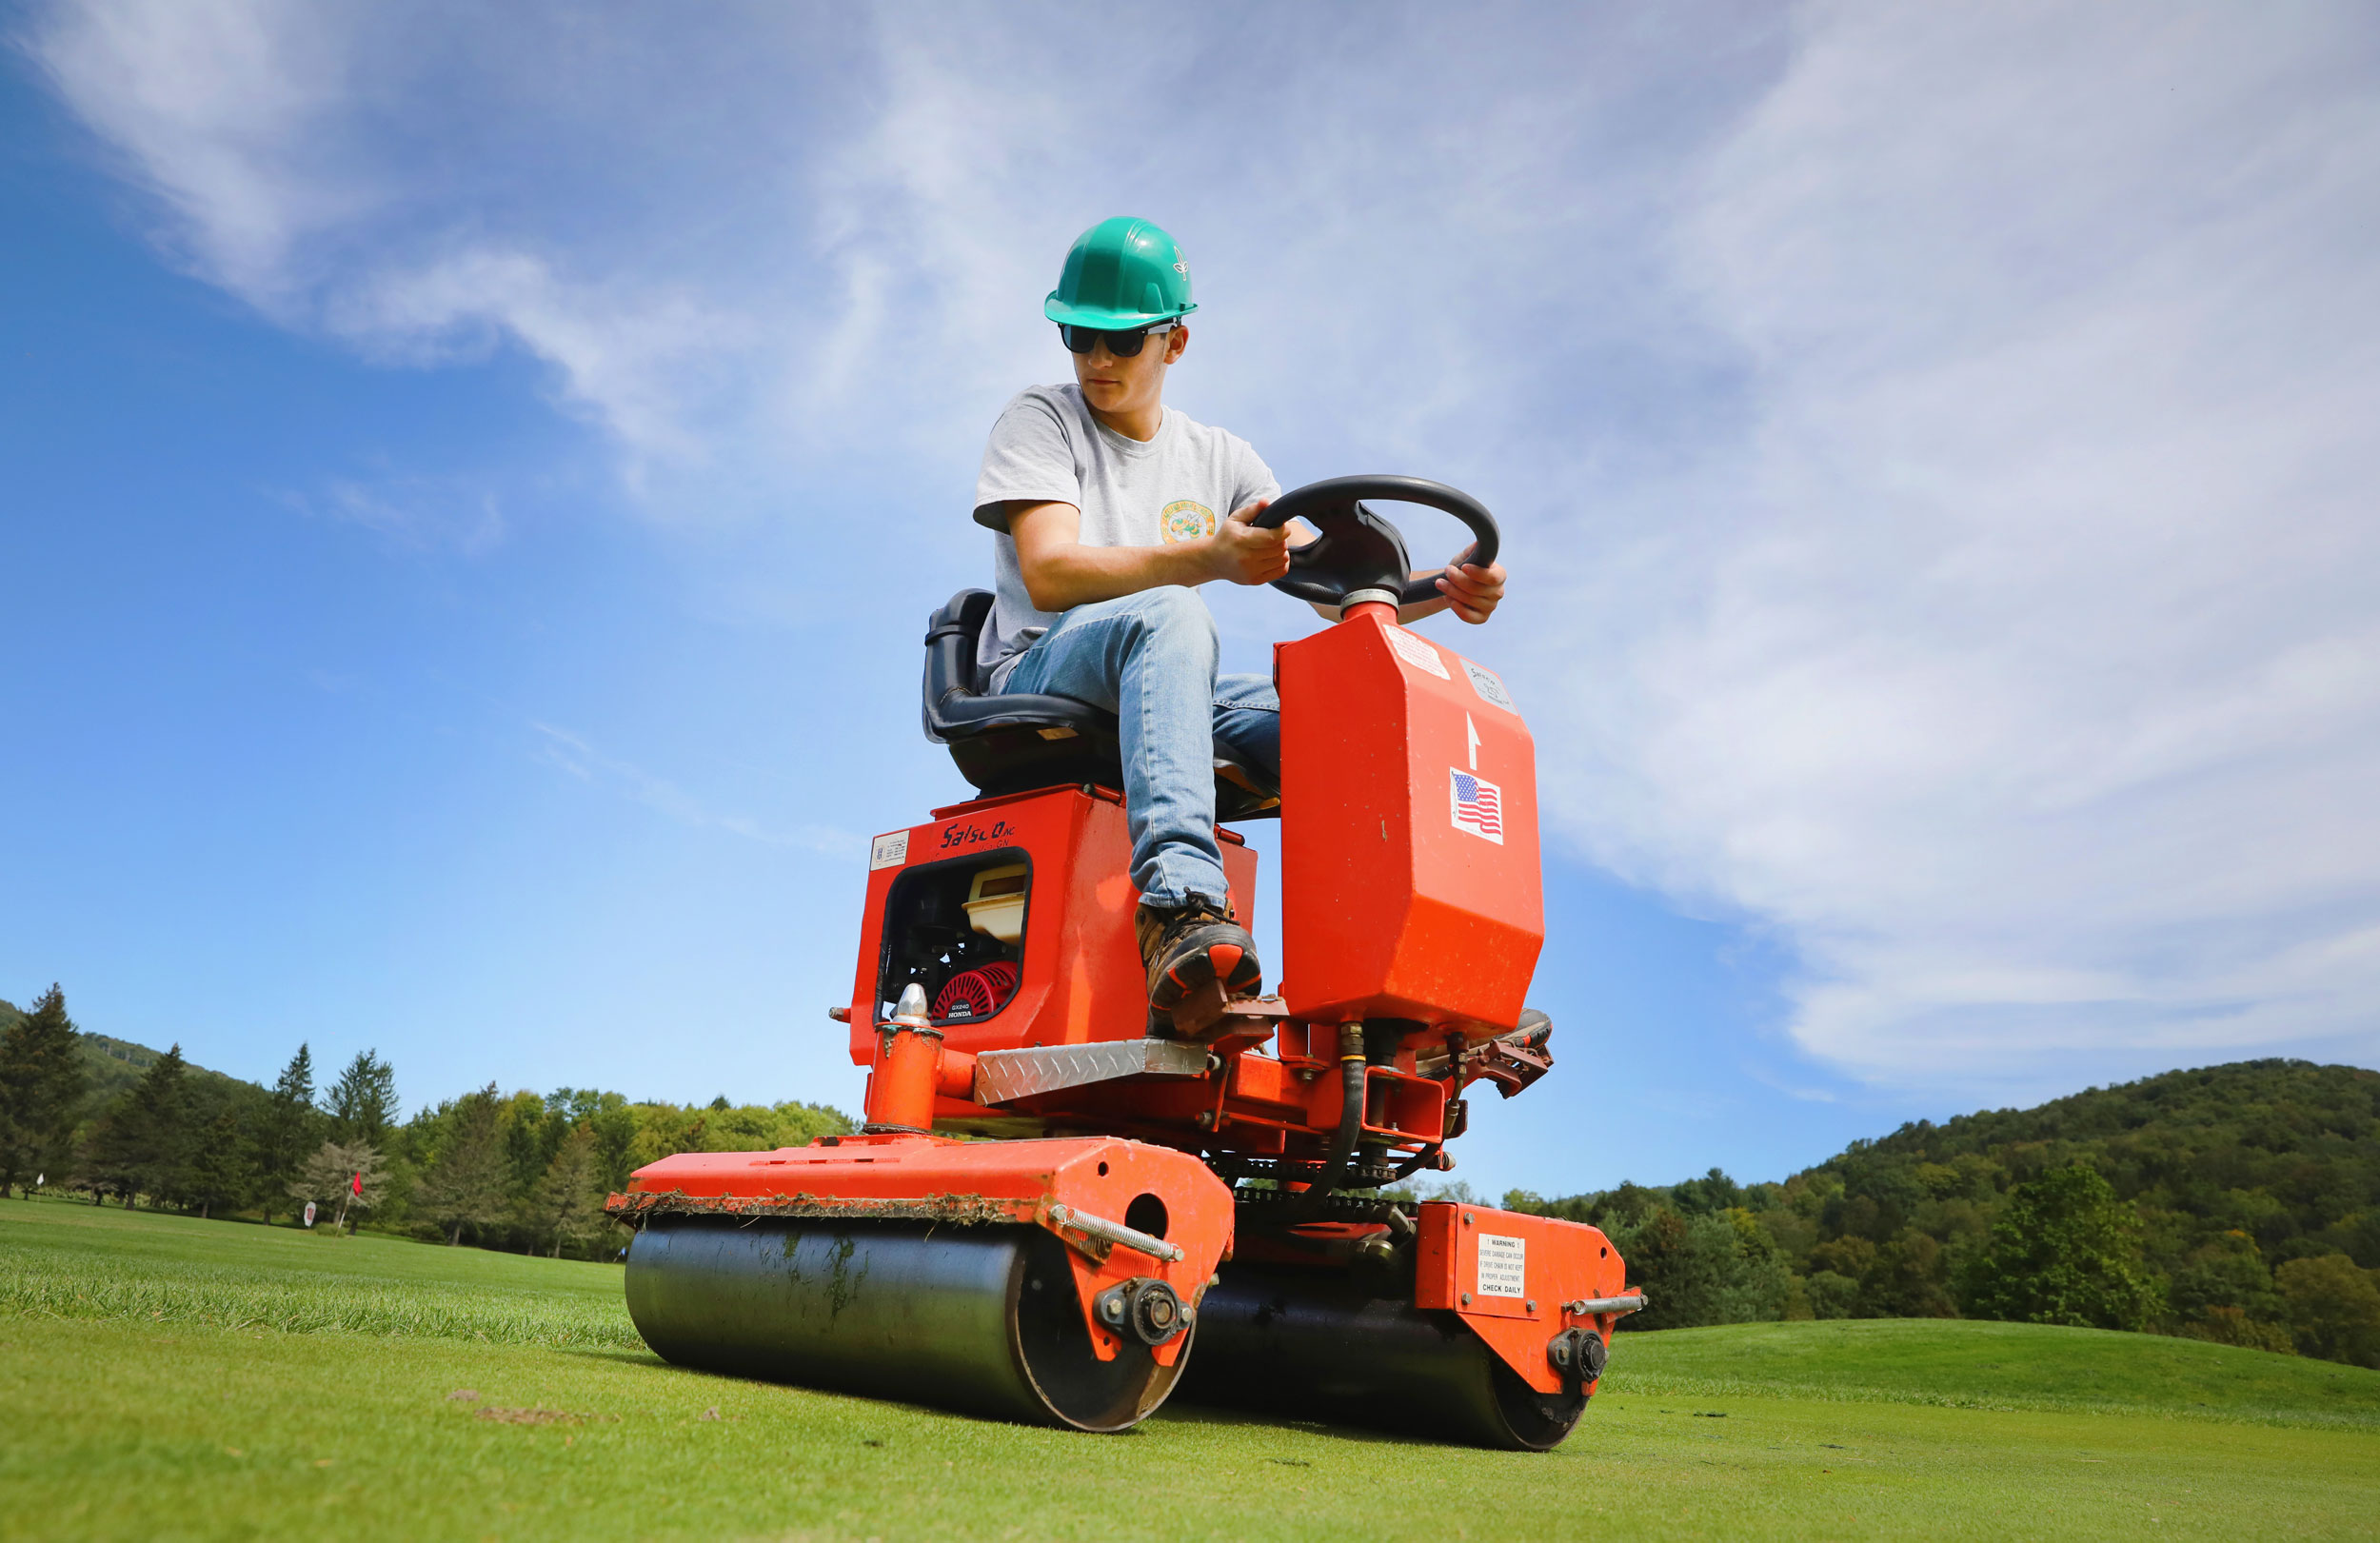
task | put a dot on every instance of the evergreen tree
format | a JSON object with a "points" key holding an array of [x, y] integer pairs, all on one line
{"points": [[291, 1127], [222, 1173], [41, 1081], [1709, 1267], [364, 1101], [465, 1186], [567, 1203], [143, 1145], [296, 1083], [2065, 1250]]}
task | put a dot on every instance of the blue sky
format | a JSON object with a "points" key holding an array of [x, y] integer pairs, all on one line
{"points": [[474, 485]]}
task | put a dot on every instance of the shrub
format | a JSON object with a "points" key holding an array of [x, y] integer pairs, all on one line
{"points": [[2334, 1308], [2065, 1250]]}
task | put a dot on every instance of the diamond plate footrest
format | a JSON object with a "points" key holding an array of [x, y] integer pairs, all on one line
{"points": [[1003, 1076]]}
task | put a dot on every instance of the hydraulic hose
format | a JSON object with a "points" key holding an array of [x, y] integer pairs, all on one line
{"points": [[1334, 1170]]}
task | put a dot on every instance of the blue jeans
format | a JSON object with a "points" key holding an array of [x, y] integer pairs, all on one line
{"points": [[1150, 660]]}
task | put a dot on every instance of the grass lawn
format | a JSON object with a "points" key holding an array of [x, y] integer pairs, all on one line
{"points": [[220, 1381], [1961, 1365]]}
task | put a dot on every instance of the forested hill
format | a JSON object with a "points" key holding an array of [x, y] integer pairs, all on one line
{"points": [[110, 1065], [2252, 1111], [2220, 1201], [2285, 1152]]}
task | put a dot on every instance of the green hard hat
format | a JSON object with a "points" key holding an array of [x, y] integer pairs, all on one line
{"points": [[1122, 273]]}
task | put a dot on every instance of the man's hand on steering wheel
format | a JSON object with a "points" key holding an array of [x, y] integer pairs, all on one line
{"points": [[1246, 555], [1472, 592]]}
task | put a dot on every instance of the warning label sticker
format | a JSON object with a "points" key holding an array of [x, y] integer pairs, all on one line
{"points": [[1478, 804], [1503, 1265], [1490, 685], [1417, 653], [888, 851]]}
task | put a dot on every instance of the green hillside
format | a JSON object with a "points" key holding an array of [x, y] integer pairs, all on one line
{"points": [[113, 1065], [2247, 1198], [110, 1066]]}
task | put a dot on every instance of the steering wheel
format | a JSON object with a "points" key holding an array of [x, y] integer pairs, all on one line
{"points": [[1360, 550]]}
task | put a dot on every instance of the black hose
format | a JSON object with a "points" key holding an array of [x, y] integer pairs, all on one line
{"points": [[1334, 1170]]}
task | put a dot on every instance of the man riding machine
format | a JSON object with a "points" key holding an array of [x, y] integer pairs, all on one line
{"points": [[1183, 1170]]}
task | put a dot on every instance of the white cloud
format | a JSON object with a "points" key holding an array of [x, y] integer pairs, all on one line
{"points": [[2022, 665], [1933, 442], [275, 136], [219, 111]]}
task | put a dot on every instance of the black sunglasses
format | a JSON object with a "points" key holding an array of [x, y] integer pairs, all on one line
{"points": [[1122, 344]]}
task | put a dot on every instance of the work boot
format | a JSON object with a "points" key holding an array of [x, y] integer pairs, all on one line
{"points": [[1187, 946]]}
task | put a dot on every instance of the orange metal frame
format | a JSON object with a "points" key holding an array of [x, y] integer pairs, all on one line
{"points": [[1399, 903], [1394, 907], [1083, 979], [1520, 1294], [970, 1184]]}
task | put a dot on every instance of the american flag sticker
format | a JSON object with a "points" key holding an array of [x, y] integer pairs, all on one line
{"points": [[1479, 806]]}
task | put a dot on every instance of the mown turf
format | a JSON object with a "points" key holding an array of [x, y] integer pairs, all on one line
{"points": [[1997, 1366], [75, 1260], [180, 1426]]}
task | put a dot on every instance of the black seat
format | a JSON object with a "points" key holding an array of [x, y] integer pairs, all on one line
{"points": [[1012, 743]]}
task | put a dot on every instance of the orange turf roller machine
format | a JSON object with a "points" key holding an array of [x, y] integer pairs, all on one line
{"points": [[1057, 1211]]}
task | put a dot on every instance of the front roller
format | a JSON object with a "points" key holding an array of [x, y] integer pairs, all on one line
{"points": [[1055, 1282], [982, 1319]]}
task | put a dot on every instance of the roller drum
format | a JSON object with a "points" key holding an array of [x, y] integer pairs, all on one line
{"points": [[982, 1319], [1308, 1342]]}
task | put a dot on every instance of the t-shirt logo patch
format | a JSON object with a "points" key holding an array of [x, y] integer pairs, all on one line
{"points": [[1184, 519]]}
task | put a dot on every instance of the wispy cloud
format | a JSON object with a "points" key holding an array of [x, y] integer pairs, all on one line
{"points": [[415, 513], [576, 758]]}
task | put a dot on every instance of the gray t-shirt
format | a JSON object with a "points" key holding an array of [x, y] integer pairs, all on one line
{"points": [[1047, 449]]}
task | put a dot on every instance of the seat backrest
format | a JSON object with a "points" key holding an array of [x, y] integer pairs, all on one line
{"points": [[952, 636], [956, 708]]}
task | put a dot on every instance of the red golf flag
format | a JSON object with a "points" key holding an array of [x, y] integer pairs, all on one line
{"points": [[359, 1184]]}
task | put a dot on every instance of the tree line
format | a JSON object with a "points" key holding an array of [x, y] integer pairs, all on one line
{"points": [[2239, 1204], [522, 1172]]}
